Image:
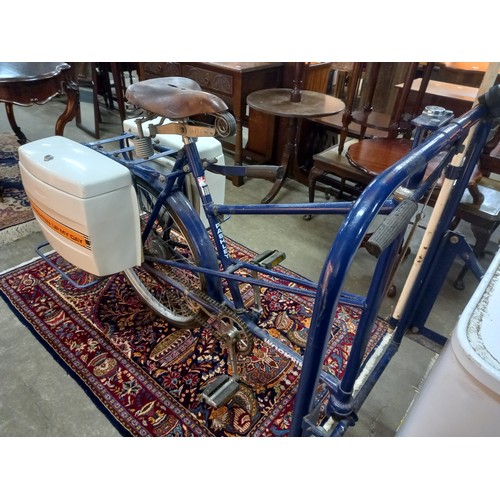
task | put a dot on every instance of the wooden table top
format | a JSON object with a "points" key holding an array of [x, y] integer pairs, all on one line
{"points": [[277, 102], [444, 89], [243, 67], [373, 156], [27, 71]]}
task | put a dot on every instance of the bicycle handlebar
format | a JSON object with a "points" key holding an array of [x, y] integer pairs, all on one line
{"points": [[491, 100], [269, 172], [392, 226]]}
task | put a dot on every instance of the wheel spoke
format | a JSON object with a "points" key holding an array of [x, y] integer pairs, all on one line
{"points": [[167, 240]]}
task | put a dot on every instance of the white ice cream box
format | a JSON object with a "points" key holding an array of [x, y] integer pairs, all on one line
{"points": [[85, 204], [461, 394]]}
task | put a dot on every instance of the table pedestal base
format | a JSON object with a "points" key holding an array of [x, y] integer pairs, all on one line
{"points": [[288, 160], [304, 104]]}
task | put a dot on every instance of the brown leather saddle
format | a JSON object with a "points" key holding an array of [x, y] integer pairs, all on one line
{"points": [[173, 98]]}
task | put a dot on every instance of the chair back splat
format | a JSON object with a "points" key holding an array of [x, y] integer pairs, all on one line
{"points": [[377, 122], [370, 106]]}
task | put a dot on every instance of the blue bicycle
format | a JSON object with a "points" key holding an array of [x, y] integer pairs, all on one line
{"points": [[181, 267]]}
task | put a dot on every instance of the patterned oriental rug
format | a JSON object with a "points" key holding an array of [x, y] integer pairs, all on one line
{"points": [[148, 376], [16, 217]]}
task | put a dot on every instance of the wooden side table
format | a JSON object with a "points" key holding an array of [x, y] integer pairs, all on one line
{"points": [[373, 156], [278, 102], [28, 83], [457, 98]]}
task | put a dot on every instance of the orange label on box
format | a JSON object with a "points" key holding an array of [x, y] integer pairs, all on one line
{"points": [[70, 234]]}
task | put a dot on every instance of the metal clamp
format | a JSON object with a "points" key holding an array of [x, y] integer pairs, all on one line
{"points": [[182, 129]]}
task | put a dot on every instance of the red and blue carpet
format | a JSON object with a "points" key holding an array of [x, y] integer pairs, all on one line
{"points": [[148, 376], [16, 217]]}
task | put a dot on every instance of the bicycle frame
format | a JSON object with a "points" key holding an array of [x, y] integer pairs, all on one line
{"points": [[377, 199]]}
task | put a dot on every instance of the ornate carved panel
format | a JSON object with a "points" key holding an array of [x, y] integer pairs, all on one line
{"points": [[210, 80]]}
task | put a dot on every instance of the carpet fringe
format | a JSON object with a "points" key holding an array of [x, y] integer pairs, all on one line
{"points": [[19, 231], [25, 263], [19, 265]]}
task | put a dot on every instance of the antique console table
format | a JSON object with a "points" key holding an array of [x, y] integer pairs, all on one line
{"points": [[25, 84], [231, 81], [457, 98]]}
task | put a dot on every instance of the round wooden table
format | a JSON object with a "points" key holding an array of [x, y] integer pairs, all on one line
{"points": [[26, 83], [278, 102], [375, 155]]}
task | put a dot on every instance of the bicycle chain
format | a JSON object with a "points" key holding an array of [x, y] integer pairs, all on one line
{"points": [[226, 311], [223, 309]]}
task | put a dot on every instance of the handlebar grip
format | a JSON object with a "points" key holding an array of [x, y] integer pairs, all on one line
{"points": [[393, 224], [269, 172], [491, 100]]}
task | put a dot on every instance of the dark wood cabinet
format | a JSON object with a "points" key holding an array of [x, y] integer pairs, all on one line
{"points": [[231, 81]]}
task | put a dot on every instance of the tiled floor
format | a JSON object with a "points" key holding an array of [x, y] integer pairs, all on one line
{"points": [[38, 398]]}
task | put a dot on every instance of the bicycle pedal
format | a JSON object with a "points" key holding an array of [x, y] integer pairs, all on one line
{"points": [[220, 391], [269, 258]]}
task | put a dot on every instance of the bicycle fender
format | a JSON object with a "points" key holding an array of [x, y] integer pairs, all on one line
{"points": [[204, 246]]}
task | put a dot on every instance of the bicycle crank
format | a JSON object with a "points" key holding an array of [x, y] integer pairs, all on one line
{"points": [[238, 340], [228, 328]]}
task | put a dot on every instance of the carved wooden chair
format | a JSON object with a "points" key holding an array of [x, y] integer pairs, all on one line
{"points": [[378, 121], [480, 204]]}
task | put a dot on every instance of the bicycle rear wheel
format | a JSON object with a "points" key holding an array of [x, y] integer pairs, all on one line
{"points": [[176, 235]]}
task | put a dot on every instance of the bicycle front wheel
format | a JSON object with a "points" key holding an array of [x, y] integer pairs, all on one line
{"points": [[175, 235]]}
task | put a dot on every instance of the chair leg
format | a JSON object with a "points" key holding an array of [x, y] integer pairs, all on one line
{"points": [[482, 235], [459, 281], [314, 173]]}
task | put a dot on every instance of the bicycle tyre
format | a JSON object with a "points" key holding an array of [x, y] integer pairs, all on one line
{"points": [[170, 238]]}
